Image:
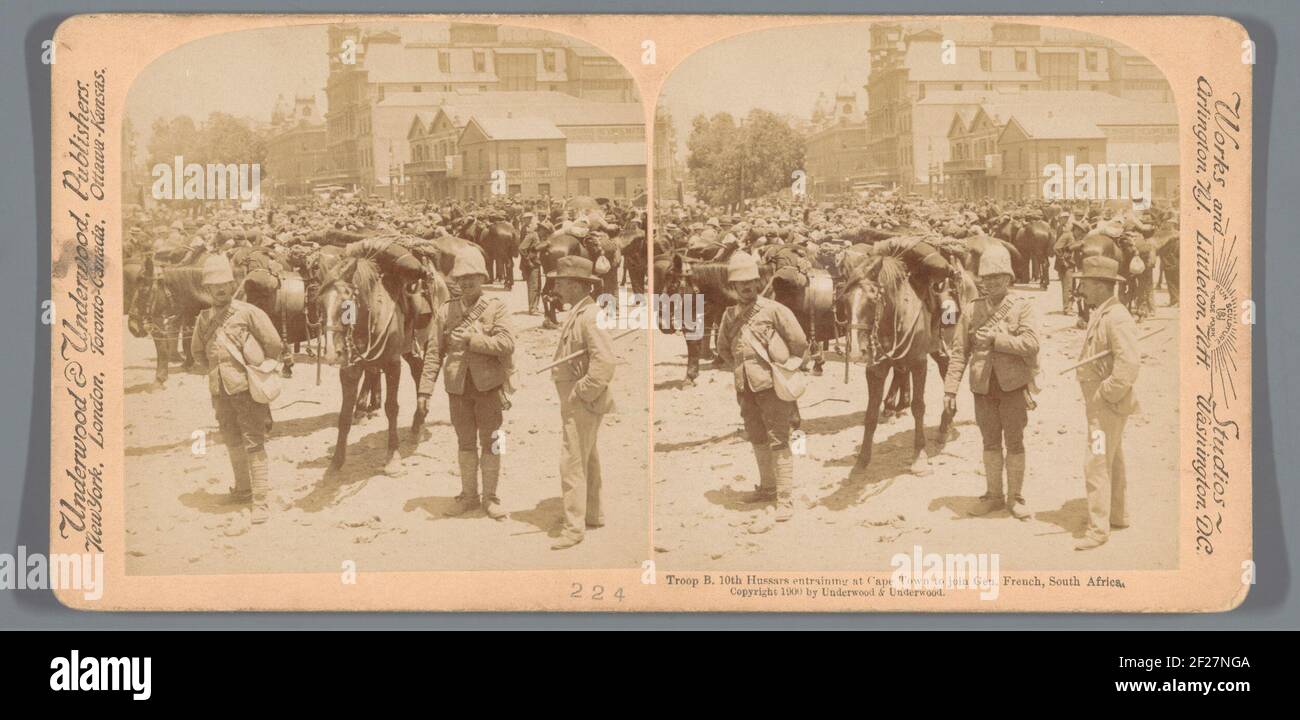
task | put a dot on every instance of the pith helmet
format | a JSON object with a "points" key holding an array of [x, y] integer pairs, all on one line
{"points": [[995, 260], [1098, 267], [216, 270], [742, 267], [468, 262]]}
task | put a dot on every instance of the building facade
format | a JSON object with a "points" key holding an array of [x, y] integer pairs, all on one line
{"points": [[836, 151], [295, 148], [377, 80], [603, 142], [910, 64], [519, 157]]}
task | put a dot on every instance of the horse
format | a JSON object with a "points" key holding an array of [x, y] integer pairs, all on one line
{"points": [[500, 243], [269, 283], [1033, 240], [561, 244], [165, 306], [635, 262], [676, 275], [366, 322], [888, 313]]}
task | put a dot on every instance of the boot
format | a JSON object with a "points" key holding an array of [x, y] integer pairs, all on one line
{"points": [[467, 500], [783, 471], [766, 490], [1015, 482], [992, 500], [258, 475], [491, 465], [242, 491]]}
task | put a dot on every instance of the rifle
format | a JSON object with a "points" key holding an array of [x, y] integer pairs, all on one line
{"points": [[1106, 353], [579, 353]]}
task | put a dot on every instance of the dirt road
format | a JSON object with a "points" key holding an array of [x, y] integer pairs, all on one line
{"points": [[703, 466], [177, 519]]}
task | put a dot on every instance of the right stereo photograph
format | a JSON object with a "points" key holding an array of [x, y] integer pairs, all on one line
{"points": [[931, 270]]}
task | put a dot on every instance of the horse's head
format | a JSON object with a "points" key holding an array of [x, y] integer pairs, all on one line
{"points": [[340, 303]]}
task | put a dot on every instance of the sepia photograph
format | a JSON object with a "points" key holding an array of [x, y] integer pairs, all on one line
{"points": [[363, 269], [936, 266], [680, 313]]}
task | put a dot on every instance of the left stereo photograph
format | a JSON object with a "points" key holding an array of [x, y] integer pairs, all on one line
{"points": [[347, 312]]}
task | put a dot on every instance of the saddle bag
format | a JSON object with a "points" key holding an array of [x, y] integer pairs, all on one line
{"points": [[788, 380], [263, 377]]}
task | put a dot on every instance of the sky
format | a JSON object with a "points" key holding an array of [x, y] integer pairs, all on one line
{"points": [[239, 73], [781, 70]]}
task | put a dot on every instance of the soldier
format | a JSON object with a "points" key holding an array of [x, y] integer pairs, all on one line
{"points": [[1107, 386], [471, 338], [529, 253], [997, 340], [583, 386], [228, 337], [752, 334]]}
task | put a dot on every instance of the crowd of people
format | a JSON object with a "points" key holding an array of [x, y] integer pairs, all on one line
{"points": [[234, 291], [963, 259]]}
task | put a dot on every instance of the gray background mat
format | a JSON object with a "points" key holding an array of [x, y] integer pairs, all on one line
{"points": [[24, 353]]}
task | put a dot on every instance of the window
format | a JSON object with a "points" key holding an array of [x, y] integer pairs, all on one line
{"points": [[544, 189], [516, 190], [548, 60], [482, 159], [512, 158], [1081, 154], [543, 158], [381, 92], [417, 88], [920, 91], [956, 86], [480, 61], [1022, 60], [444, 61], [1054, 154], [986, 60], [620, 187], [584, 186], [1090, 59]]}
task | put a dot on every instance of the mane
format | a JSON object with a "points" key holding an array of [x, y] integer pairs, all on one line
{"points": [[888, 268], [710, 273], [365, 278]]}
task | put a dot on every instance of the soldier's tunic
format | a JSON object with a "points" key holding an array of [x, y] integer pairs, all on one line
{"points": [[1108, 396], [244, 422], [767, 417], [999, 373], [474, 368], [583, 386]]}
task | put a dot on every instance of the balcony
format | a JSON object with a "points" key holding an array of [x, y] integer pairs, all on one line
{"points": [[427, 167]]}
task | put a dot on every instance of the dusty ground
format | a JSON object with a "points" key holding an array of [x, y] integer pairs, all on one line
{"points": [[703, 465], [178, 522]]}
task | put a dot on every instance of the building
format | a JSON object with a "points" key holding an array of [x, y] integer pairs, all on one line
{"points": [[377, 80], [595, 133], [520, 157], [911, 63], [668, 186], [295, 147], [1001, 149], [610, 170], [835, 149]]}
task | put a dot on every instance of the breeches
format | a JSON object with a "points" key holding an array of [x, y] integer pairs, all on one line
{"points": [[476, 416]]}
